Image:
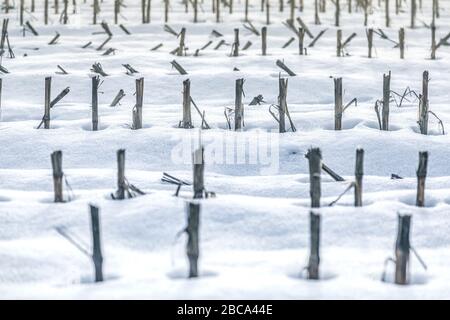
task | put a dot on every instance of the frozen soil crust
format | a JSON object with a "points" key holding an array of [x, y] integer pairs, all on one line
{"points": [[255, 233]]}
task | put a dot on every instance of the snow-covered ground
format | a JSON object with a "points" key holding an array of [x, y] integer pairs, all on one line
{"points": [[255, 234]]}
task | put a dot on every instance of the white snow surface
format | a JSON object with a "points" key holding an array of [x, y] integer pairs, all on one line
{"points": [[254, 236]]}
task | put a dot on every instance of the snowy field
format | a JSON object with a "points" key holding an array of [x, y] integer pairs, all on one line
{"points": [[254, 235]]}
